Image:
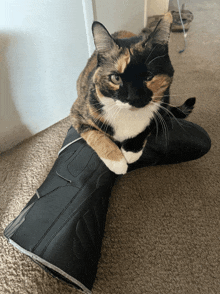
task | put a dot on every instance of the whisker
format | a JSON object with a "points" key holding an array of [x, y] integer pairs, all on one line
{"points": [[168, 95], [107, 118], [173, 106], [98, 111], [151, 52], [157, 58], [164, 127], [112, 112], [169, 104], [156, 122], [170, 114], [118, 110], [159, 121], [174, 96]]}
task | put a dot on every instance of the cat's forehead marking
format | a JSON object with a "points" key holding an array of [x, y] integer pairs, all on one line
{"points": [[123, 61]]}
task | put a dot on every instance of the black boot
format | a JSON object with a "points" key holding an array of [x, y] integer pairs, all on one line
{"points": [[181, 141], [62, 226]]}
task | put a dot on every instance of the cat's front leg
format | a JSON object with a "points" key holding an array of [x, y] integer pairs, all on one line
{"points": [[132, 149], [131, 156], [107, 150]]}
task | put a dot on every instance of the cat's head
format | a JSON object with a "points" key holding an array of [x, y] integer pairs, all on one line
{"points": [[133, 71]]}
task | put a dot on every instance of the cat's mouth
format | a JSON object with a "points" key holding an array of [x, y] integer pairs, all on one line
{"points": [[137, 104], [123, 105], [132, 106]]}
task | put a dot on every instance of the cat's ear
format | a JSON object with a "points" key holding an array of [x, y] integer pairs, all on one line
{"points": [[161, 33], [103, 40]]}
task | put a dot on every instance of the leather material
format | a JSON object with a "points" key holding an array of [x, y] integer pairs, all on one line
{"points": [[181, 141], [62, 226], [64, 222]]}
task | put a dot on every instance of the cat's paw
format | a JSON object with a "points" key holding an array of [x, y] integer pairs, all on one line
{"points": [[131, 157], [117, 167]]}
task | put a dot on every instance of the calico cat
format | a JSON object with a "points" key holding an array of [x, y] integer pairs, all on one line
{"points": [[124, 84]]}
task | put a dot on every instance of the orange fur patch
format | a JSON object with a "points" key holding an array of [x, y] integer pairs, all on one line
{"points": [[124, 34], [103, 145], [95, 76], [98, 92], [123, 61], [114, 87], [95, 114], [158, 85]]}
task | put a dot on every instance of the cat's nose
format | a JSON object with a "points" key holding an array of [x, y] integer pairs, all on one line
{"points": [[134, 94], [139, 101], [141, 95]]}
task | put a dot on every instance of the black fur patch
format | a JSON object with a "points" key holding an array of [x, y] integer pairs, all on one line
{"points": [[136, 144]]}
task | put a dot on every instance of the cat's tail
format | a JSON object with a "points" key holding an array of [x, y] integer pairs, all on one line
{"points": [[185, 109]]}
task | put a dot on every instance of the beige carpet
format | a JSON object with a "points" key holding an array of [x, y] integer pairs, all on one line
{"points": [[163, 224]]}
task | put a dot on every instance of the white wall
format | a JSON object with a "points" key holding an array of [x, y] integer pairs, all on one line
{"points": [[43, 48], [157, 7], [120, 15], [44, 45], [130, 15]]}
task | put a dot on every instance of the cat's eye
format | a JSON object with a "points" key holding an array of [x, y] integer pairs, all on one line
{"points": [[116, 79], [149, 77]]}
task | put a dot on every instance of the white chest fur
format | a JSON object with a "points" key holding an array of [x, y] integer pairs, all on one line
{"points": [[127, 122]]}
